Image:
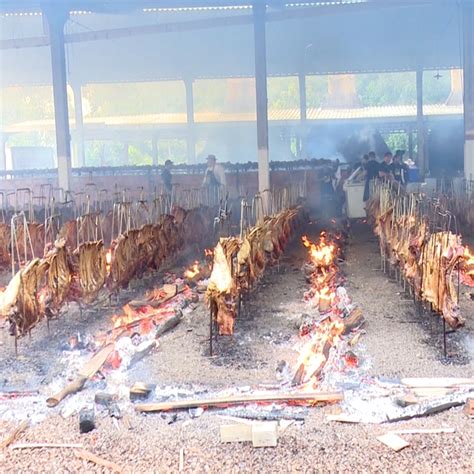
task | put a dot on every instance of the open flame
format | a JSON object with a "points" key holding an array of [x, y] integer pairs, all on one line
{"points": [[108, 261], [322, 254], [323, 295], [194, 270]]}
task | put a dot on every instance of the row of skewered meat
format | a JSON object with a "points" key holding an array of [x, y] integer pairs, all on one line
{"points": [[429, 259], [240, 262], [42, 287]]}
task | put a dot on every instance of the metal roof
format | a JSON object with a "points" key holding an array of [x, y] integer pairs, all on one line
{"points": [[179, 39], [283, 115]]}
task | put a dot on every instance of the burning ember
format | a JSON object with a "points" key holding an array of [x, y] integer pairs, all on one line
{"points": [[322, 254], [194, 270], [108, 261], [328, 298]]}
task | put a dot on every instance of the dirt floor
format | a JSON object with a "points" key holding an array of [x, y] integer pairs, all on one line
{"points": [[398, 341]]}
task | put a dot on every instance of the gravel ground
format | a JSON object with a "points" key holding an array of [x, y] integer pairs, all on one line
{"points": [[398, 343]]}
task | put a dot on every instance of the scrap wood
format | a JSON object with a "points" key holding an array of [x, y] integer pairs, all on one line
{"points": [[436, 382], [156, 303], [469, 407], [169, 324], [344, 418], [239, 400], [181, 460], [87, 371], [429, 407], [425, 431], [136, 322], [393, 441], [14, 434], [91, 457], [45, 445]]}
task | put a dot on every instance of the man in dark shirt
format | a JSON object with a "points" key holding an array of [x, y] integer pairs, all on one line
{"points": [[371, 172], [399, 169], [166, 176], [385, 169]]}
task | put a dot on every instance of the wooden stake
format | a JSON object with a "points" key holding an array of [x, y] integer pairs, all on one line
{"points": [[91, 457], [181, 460], [87, 371], [13, 435], [45, 445], [239, 400]]}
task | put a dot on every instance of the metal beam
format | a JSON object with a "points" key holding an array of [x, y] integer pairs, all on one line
{"points": [[56, 21], [206, 23], [191, 135], [303, 111], [468, 60], [259, 12], [420, 123], [79, 130]]}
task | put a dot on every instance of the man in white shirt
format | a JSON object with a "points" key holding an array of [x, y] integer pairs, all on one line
{"points": [[214, 181], [215, 173]]}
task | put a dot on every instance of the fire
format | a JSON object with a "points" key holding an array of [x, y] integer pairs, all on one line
{"points": [[108, 261], [190, 273], [322, 254], [314, 354]]}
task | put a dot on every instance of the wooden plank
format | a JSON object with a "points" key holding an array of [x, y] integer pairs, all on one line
{"points": [[45, 445], [265, 435], [87, 371], [91, 457], [236, 433], [425, 431], [238, 400], [469, 407], [436, 382], [393, 441], [14, 434]]}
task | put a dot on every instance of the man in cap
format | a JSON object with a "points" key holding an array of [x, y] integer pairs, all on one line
{"points": [[215, 174], [166, 176]]}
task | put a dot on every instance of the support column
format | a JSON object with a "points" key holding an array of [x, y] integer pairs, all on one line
{"points": [[3, 152], [261, 95], [191, 135], [154, 150], [468, 62], [56, 20], [80, 159], [303, 112], [410, 142], [420, 124]]}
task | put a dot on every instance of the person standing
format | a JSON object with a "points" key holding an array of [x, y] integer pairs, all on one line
{"points": [[371, 173], [167, 177], [385, 168], [399, 168], [214, 179]]}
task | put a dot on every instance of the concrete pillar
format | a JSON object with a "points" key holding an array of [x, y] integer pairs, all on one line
{"points": [[56, 18], [420, 124], [154, 150], [303, 112], [261, 95], [80, 159], [3, 152], [191, 131], [455, 96], [468, 61]]}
